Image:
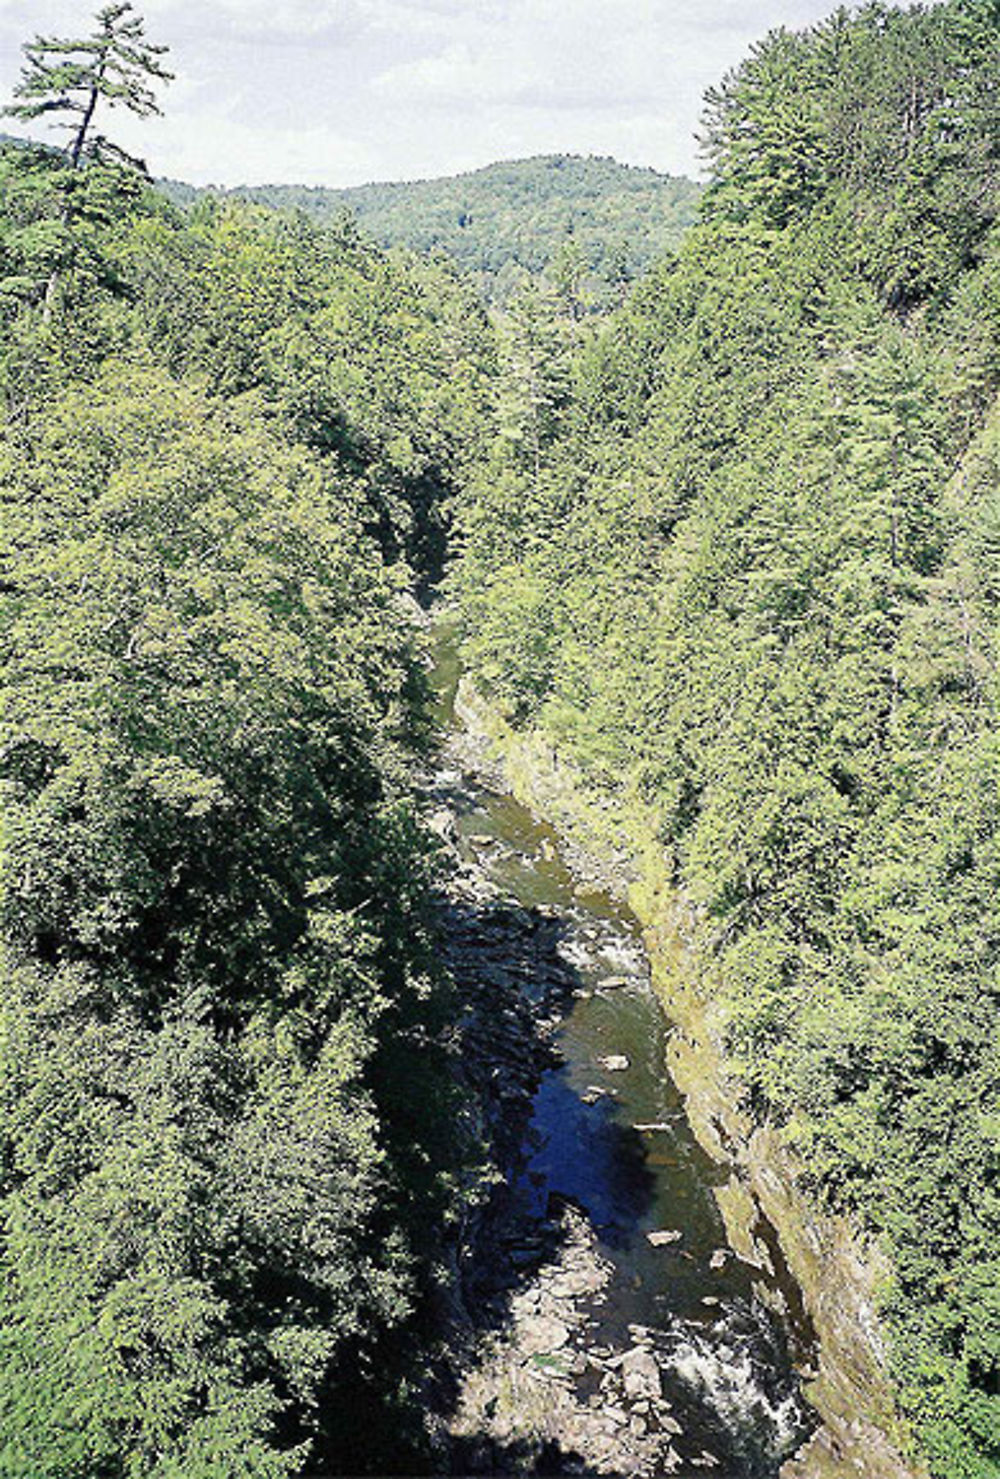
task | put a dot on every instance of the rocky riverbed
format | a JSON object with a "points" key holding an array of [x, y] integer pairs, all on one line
{"points": [[818, 1272], [603, 1325]]}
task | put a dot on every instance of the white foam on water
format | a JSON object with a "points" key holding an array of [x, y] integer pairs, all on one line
{"points": [[624, 955], [606, 950], [577, 953], [723, 1374]]}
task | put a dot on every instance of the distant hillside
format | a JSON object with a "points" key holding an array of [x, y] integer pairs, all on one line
{"points": [[496, 222]]}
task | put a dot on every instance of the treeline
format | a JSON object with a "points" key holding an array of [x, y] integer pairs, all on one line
{"points": [[607, 222], [737, 555], [229, 1138]]}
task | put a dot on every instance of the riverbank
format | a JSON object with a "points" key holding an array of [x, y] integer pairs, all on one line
{"points": [[818, 1260], [601, 1325]]}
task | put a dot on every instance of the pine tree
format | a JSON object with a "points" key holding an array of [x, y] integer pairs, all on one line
{"points": [[114, 65]]}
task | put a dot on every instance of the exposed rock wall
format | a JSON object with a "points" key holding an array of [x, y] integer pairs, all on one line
{"points": [[829, 1272]]}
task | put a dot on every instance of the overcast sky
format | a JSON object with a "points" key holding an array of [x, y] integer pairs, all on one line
{"points": [[337, 92]]}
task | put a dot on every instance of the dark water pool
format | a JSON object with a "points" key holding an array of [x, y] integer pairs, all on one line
{"points": [[615, 1140]]}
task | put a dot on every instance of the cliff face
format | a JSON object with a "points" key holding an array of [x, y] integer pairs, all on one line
{"points": [[829, 1274]]}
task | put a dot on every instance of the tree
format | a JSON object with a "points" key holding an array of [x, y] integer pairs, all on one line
{"points": [[534, 384], [223, 761], [113, 65]]}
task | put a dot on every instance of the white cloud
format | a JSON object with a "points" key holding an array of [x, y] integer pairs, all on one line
{"points": [[339, 91], [231, 152], [420, 17]]}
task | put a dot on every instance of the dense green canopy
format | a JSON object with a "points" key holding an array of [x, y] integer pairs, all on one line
{"points": [[734, 549], [230, 1144]]}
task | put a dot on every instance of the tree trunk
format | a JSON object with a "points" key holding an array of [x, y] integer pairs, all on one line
{"points": [[85, 122]]}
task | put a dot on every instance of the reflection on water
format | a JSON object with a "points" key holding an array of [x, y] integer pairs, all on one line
{"points": [[585, 1153], [615, 1141]]}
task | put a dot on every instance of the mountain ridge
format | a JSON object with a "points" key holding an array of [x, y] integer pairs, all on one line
{"points": [[507, 218]]}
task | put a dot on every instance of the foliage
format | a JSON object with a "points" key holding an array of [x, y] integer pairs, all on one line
{"points": [[208, 696], [508, 220], [231, 1152], [749, 586], [734, 550]]}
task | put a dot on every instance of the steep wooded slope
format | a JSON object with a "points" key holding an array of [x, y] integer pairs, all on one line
{"points": [[230, 1142], [737, 557]]}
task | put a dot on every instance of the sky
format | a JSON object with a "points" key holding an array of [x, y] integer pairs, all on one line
{"points": [[340, 92]]}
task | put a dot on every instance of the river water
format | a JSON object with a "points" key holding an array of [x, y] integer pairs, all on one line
{"points": [[606, 1133]]}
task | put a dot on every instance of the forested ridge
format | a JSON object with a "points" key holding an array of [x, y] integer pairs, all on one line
{"points": [[605, 221], [743, 573], [733, 548]]}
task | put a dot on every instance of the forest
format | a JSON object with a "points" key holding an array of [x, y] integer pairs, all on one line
{"points": [[603, 221], [732, 545]]}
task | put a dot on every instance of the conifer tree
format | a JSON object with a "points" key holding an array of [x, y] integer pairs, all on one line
{"points": [[115, 65]]}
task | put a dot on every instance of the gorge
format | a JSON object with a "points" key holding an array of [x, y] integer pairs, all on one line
{"points": [[590, 1066]]}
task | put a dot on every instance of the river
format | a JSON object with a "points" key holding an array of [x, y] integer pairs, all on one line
{"points": [[621, 1335]]}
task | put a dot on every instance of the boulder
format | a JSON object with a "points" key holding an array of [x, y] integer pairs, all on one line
{"points": [[664, 1236], [541, 1334], [641, 1375]]}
